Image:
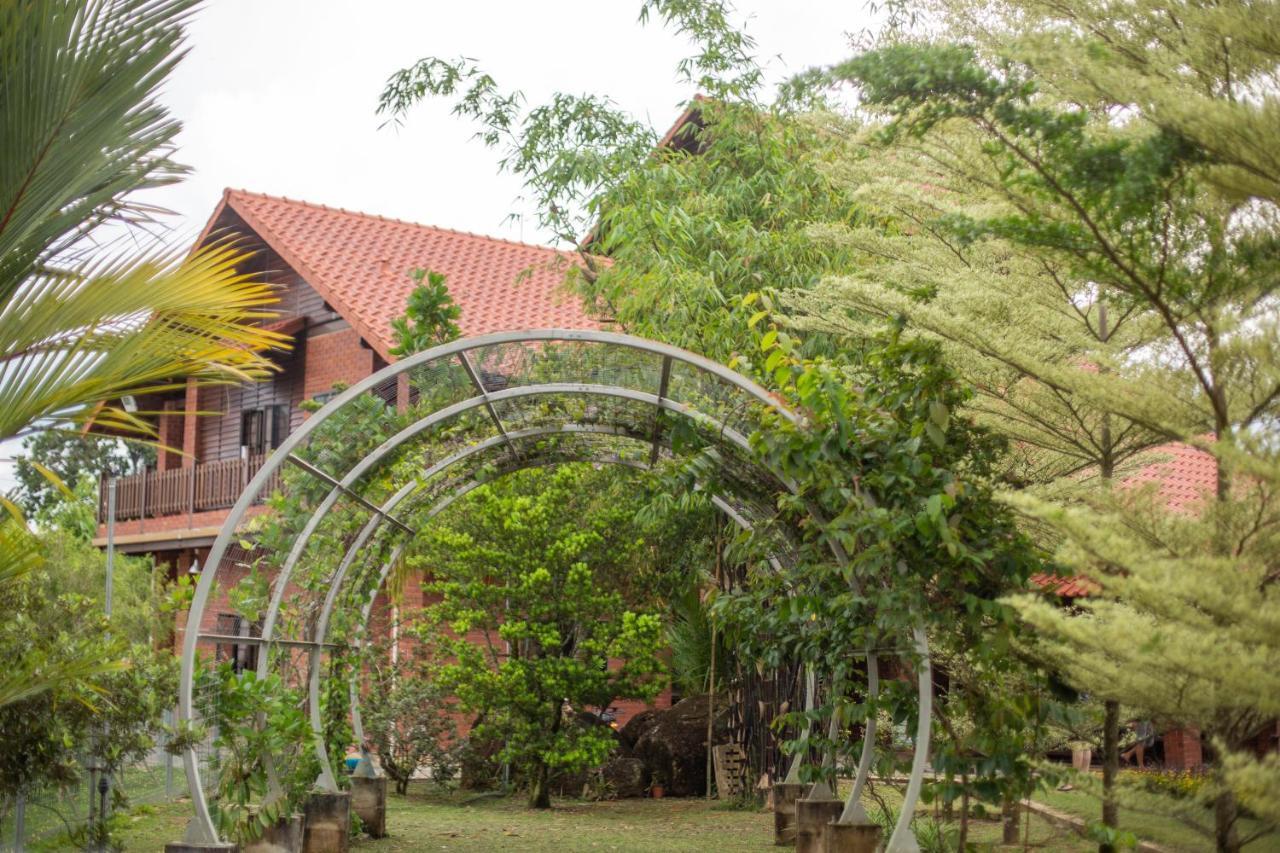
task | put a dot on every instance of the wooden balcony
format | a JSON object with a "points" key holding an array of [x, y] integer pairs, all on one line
{"points": [[183, 491]]}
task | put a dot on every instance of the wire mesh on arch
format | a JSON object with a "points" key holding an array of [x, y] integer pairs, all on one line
{"points": [[361, 476]]}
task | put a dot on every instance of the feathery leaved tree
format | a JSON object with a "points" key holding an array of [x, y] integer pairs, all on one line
{"points": [[1016, 323], [1134, 215]]}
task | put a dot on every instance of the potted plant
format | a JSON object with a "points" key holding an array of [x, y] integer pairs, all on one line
{"points": [[658, 787]]}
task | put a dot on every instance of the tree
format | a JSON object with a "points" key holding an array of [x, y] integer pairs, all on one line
{"points": [[1130, 214], [704, 238], [71, 456], [693, 230], [83, 131], [430, 316], [408, 720], [51, 627], [1015, 322], [528, 628]]}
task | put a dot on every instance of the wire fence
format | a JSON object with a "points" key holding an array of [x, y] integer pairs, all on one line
{"points": [[51, 818]]}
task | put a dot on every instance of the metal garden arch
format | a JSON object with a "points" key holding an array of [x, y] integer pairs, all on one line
{"points": [[472, 410]]}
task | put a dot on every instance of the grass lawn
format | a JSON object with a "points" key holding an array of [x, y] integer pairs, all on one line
{"points": [[428, 820], [1161, 830]]}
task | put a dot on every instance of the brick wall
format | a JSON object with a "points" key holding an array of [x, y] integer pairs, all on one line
{"points": [[336, 357], [1182, 749], [168, 456]]}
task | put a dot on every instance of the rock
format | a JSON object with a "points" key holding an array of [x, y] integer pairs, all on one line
{"points": [[638, 726], [625, 777], [673, 744]]}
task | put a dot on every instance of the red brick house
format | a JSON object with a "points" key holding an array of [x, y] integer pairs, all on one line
{"points": [[342, 277]]}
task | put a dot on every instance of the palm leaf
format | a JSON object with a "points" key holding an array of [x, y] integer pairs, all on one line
{"points": [[127, 327], [80, 131], [80, 126]]}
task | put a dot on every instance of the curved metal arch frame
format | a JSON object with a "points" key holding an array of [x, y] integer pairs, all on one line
{"points": [[375, 524], [201, 828]]}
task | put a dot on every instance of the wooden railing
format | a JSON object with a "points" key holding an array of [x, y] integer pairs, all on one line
{"points": [[183, 491]]}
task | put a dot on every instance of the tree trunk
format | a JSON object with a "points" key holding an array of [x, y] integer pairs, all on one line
{"points": [[1224, 823], [963, 840], [1110, 767], [540, 779], [1012, 813], [540, 787]]}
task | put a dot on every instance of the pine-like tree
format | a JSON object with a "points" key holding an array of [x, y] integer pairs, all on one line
{"points": [[1108, 279]]}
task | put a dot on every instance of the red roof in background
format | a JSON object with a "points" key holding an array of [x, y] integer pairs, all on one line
{"points": [[1183, 476], [1075, 586], [360, 264]]}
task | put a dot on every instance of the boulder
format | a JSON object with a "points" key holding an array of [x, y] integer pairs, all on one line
{"points": [[625, 777], [673, 744], [637, 727]]}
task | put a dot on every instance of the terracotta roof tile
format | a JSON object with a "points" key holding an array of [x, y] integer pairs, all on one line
{"points": [[1067, 587], [360, 264], [1183, 476]]}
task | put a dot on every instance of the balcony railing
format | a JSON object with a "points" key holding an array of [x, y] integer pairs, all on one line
{"points": [[183, 491]]}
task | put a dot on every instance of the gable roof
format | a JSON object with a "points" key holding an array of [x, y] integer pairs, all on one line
{"points": [[360, 265]]}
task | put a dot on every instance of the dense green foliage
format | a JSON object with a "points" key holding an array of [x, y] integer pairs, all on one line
{"points": [[407, 717], [526, 620], [705, 238], [430, 316], [71, 457], [1095, 261], [265, 765], [55, 622]]}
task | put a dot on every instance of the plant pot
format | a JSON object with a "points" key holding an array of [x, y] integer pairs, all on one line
{"points": [[657, 791]]}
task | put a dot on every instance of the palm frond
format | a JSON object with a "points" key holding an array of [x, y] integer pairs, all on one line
{"points": [[80, 126], [128, 327]]}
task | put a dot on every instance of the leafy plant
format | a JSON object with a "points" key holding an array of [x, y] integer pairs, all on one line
{"points": [[430, 316], [408, 721], [509, 572], [259, 723]]}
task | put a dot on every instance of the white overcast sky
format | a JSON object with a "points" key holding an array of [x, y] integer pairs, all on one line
{"points": [[279, 96]]}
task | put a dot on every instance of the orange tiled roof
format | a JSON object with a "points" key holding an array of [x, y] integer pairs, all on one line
{"points": [[1183, 475], [360, 264]]}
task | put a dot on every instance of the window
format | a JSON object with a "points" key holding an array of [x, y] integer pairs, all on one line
{"points": [[263, 429]]}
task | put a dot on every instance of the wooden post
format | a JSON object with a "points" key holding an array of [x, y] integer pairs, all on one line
{"points": [[142, 504], [191, 492]]}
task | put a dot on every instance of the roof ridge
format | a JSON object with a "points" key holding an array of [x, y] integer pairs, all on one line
{"points": [[361, 214]]}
